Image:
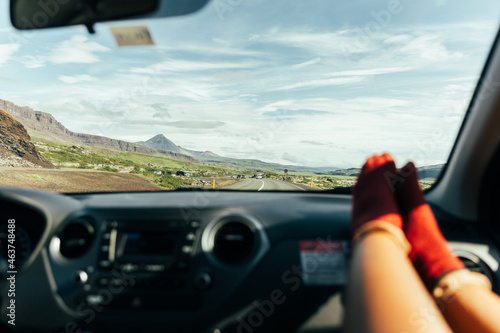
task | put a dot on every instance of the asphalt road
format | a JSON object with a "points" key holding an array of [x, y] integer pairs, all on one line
{"points": [[266, 185]]}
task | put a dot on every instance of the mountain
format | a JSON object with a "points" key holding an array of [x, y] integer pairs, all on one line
{"points": [[206, 154], [16, 148], [430, 171], [353, 172], [44, 126], [161, 142]]}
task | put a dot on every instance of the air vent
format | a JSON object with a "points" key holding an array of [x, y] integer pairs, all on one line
{"points": [[475, 264], [233, 242], [76, 238], [472, 266]]}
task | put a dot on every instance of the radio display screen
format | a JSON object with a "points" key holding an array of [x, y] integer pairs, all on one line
{"points": [[148, 243]]}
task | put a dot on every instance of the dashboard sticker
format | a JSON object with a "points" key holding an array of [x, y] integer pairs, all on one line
{"points": [[324, 263]]}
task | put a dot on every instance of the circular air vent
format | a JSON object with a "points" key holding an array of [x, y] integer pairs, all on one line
{"points": [[76, 238], [475, 264], [233, 242]]}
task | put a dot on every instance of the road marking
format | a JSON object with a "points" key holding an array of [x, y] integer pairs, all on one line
{"points": [[261, 186]]}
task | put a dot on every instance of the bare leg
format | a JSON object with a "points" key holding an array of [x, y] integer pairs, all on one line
{"points": [[385, 294], [473, 309], [469, 305]]}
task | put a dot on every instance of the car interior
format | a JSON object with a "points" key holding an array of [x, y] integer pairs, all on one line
{"points": [[227, 261]]}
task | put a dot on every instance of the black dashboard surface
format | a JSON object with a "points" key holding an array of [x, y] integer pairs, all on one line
{"points": [[194, 261], [73, 289]]}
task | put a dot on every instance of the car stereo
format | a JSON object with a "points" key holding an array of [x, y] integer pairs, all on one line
{"points": [[145, 265], [147, 246]]}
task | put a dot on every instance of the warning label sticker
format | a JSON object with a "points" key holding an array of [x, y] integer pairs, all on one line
{"points": [[324, 263]]}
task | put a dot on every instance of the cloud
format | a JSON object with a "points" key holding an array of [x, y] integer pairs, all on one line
{"points": [[32, 61], [187, 124], [322, 144], [298, 92], [161, 111], [182, 65], [75, 50], [196, 124], [429, 47], [78, 50], [287, 113], [313, 143], [320, 43], [404, 47], [355, 106], [220, 49], [7, 51], [370, 72], [307, 63], [323, 83], [295, 159], [76, 78]]}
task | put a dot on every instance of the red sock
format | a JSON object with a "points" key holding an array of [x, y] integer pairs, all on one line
{"points": [[429, 253], [373, 193]]}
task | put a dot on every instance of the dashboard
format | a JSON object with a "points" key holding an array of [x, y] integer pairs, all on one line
{"points": [[189, 261]]}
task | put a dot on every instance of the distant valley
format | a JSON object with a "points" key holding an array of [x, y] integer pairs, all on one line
{"points": [[43, 126]]}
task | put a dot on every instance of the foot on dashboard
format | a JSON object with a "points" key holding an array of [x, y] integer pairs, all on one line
{"points": [[373, 194], [429, 253]]}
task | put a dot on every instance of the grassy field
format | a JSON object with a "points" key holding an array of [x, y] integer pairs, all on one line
{"points": [[323, 182], [331, 182], [160, 170]]}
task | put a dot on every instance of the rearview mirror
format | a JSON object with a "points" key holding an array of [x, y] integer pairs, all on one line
{"points": [[39, 14]]}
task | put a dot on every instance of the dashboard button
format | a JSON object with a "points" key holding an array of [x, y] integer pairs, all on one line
{"points": [[187, 249], [103, 282], [194, 224], [94, 299], [154, 268], [128, 267], [105, 264], [202, 281], [81, 278], [190, 236], [121, 283]]}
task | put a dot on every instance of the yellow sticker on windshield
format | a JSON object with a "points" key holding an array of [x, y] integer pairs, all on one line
{"points": [[132, 36]]}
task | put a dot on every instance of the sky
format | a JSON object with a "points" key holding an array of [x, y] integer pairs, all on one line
{"points": [[318, 83]]}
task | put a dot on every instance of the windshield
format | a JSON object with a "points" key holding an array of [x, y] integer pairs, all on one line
{"points": [[242, 95]]}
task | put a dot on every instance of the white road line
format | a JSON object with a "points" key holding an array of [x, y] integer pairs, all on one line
{"points": [[261, 186]]}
